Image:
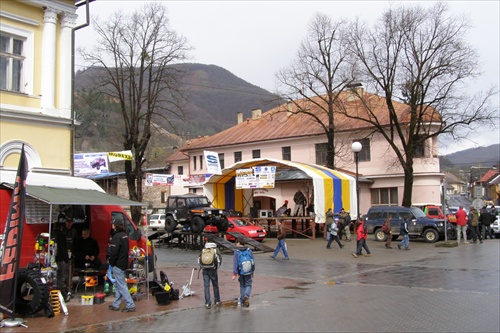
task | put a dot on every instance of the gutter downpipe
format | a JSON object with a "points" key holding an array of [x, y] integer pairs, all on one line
{"points": [[72, 138]]}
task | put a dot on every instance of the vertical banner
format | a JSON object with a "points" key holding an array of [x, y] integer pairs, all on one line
{"points": [[212, 162], [10, 249]]}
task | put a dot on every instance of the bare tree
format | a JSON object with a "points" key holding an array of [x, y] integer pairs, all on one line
{"points": [[419, 57], [311, 84], [137, 52]]}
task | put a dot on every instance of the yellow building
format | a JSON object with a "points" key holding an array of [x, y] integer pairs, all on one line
{"points": [[36, 83]]}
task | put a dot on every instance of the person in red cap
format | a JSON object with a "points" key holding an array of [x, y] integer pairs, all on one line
{"points": [[283, 210]]}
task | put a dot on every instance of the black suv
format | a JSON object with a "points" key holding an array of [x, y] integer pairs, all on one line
{"points": [[419, 224], [193, 211]]}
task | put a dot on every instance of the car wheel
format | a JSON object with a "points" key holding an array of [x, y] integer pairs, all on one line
{"points": [[154, 229], [223, 225], [197, 224], [380, 236], [431, 236], [170, 224], [452, 234]]}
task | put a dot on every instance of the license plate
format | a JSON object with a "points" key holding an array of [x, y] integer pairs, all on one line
{"points": [[262, 235]]}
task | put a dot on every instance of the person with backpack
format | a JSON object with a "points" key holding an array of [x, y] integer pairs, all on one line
{"points": [[243, 268], [210, 260], [403, 231], [281, 241], [361, 236]]}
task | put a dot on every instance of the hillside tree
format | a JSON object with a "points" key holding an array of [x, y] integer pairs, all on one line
{"points": [[319, 72], [136, 52], [420, 57]]}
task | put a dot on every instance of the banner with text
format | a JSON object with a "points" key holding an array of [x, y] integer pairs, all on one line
{"points": [[212, 162], [256, 177]]}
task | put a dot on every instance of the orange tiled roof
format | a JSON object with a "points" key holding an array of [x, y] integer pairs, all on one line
{"points": [[278, 124], [489, 175], [178, 155]]}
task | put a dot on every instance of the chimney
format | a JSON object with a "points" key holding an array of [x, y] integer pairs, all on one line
{"points": [[240, 117], [355, 91], [288, 109], [256, 113]]}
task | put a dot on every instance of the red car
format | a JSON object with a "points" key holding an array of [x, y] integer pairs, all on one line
{"points": [[237, 224]]}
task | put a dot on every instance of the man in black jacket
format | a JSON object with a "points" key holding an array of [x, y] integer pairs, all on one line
{"points": [[62, 259], [118, 262], [486, 219], [87, 252]]}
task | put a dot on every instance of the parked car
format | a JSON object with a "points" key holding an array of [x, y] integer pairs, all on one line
{"points": [[238, 224], [495, 227], [431, 230], [157, 221]]}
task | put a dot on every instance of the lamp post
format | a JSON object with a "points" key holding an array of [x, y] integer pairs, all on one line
{"points": [[356, 148]]}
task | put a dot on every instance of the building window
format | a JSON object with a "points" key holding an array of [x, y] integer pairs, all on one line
{"points": [[12, 59], [180, 170], [256, 153], [237, 156], [364, 154], [221, 161], [321, 149], [163, 196], [384, 196], [286, 153], [419, 150], [201, 162], [194, 162]]}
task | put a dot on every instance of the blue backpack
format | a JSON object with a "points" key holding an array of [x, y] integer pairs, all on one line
{"points": [[245, 262]]}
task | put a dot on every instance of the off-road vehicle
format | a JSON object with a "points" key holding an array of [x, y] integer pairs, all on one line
{"points": [[431, 230], [193, 211]]}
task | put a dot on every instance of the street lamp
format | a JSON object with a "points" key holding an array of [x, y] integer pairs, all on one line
{"points": [[356, 148]]}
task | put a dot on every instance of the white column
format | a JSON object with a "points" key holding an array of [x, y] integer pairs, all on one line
{"points": [[49, 60], [68, 21]]}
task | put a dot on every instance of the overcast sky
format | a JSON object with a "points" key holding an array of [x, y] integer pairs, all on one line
{"points": [[254, 39]]}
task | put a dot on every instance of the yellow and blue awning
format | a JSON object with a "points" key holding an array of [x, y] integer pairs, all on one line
{"points": [[332, 189]]}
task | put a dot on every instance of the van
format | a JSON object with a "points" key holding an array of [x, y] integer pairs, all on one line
{"points": [[431, 230], [157, 221], [47, 197]]}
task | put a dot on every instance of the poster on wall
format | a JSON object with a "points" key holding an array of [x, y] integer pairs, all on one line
{"points": [[256, 177]]}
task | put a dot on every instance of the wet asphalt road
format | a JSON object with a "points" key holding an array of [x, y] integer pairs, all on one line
{"points": [[427, 289]]}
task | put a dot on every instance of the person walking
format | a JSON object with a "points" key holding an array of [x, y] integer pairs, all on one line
{"points": [[243, 268], [361, 236], [118, 262], [403, 231], [210, 260], [474, 222], [461, 217], [486, 219], [333, 235], [281, 241], [386, 228]]}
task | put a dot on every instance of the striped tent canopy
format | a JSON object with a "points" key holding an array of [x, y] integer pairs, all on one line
{"points": [[332, 189]]}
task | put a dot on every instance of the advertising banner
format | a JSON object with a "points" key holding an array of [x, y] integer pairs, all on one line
{"points": [[212, 162], [256, 177]]}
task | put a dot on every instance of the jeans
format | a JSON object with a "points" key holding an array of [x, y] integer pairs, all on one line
{"points": [[405, 241], [362, 245], [462, 229], [122, 290], [210, 274], [333, 238], [475, 233], [486, 231], [280, 245], [245, 286]]}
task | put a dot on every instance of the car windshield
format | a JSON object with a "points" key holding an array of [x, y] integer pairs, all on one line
{"points": [[240, 223], [417, 212], [200, 201]]}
